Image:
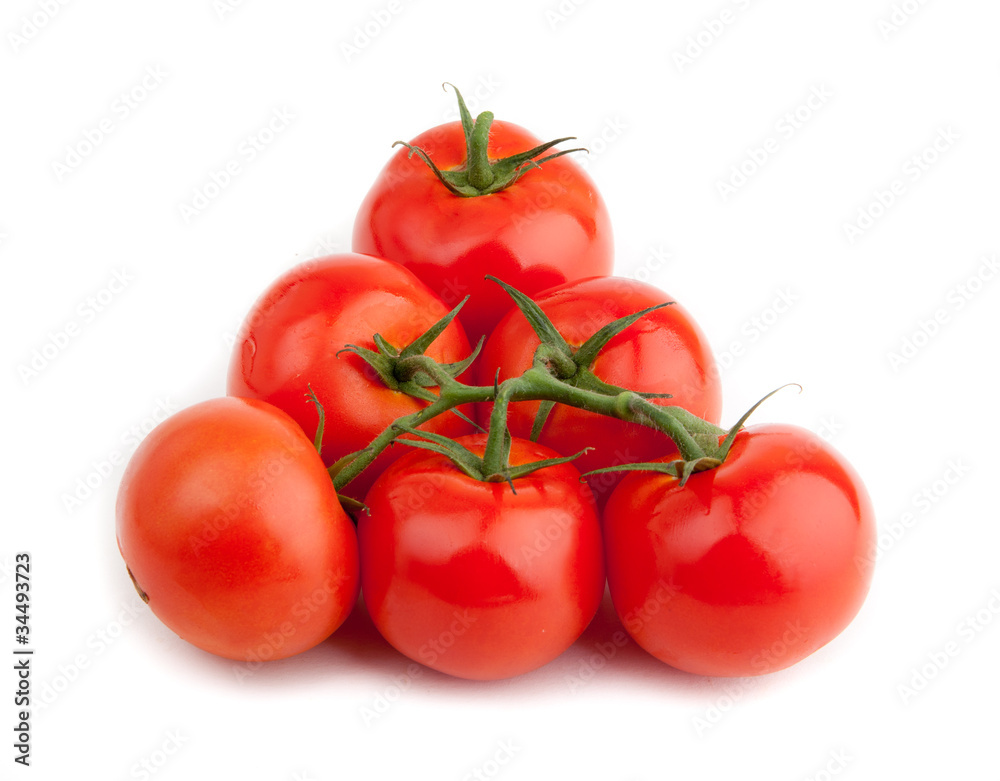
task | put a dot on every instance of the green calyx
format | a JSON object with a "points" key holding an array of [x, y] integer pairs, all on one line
{"points": [[572, 365], [488, 468], [407, 370], [715, 450], [479, 175]]}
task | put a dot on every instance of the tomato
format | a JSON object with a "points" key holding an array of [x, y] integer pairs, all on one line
{"points": [[550, 226], [231, 529], [665, 351], [292, 338], [471, 579], [749, 567]]}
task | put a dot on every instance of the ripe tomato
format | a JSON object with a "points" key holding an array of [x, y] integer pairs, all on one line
{"points": [[748, 568], [230, 525], [665, 351], [472, 579], [290, 341], [549, 227]]}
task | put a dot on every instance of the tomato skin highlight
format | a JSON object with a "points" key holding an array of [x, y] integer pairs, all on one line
{"points": [[472, 580], [665, 351], [751, 566], [229, 522], [549, 227], [290, 339]]}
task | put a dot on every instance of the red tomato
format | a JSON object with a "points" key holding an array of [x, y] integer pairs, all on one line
{"points": [[549, 227], [663, 352], [751, 566], [473, 580], [290, 341], [230, 525]]}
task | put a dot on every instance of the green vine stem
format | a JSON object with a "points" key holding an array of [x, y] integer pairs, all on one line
{"points": [[692, 436], [559, 374]]}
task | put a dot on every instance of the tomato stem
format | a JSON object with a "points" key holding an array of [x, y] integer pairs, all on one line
{"points": [[478, 158]]}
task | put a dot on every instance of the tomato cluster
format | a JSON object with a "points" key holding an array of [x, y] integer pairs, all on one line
{"points": [[473, 384]]}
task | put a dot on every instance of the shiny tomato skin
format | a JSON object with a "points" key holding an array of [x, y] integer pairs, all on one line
{"points": [[751, 566], [549, 227], [230, 525], [665, 351], [472, 580], [290, 340]]}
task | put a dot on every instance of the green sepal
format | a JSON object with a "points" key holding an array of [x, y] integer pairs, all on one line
{"points": [[586, 354], [454, 370], [723, 447], [401, 370], [677, 468], [458, 454], [544, 409], [353, 506], [478, 174], [419, 345], [526, 469], [383, 365], [321, 423], [569, 365], [539, 321]]}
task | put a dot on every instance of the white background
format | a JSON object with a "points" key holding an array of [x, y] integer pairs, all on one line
{"points": [[669, 99]]}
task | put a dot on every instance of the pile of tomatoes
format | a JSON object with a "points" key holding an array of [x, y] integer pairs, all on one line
{"points": [[482, 539]]}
